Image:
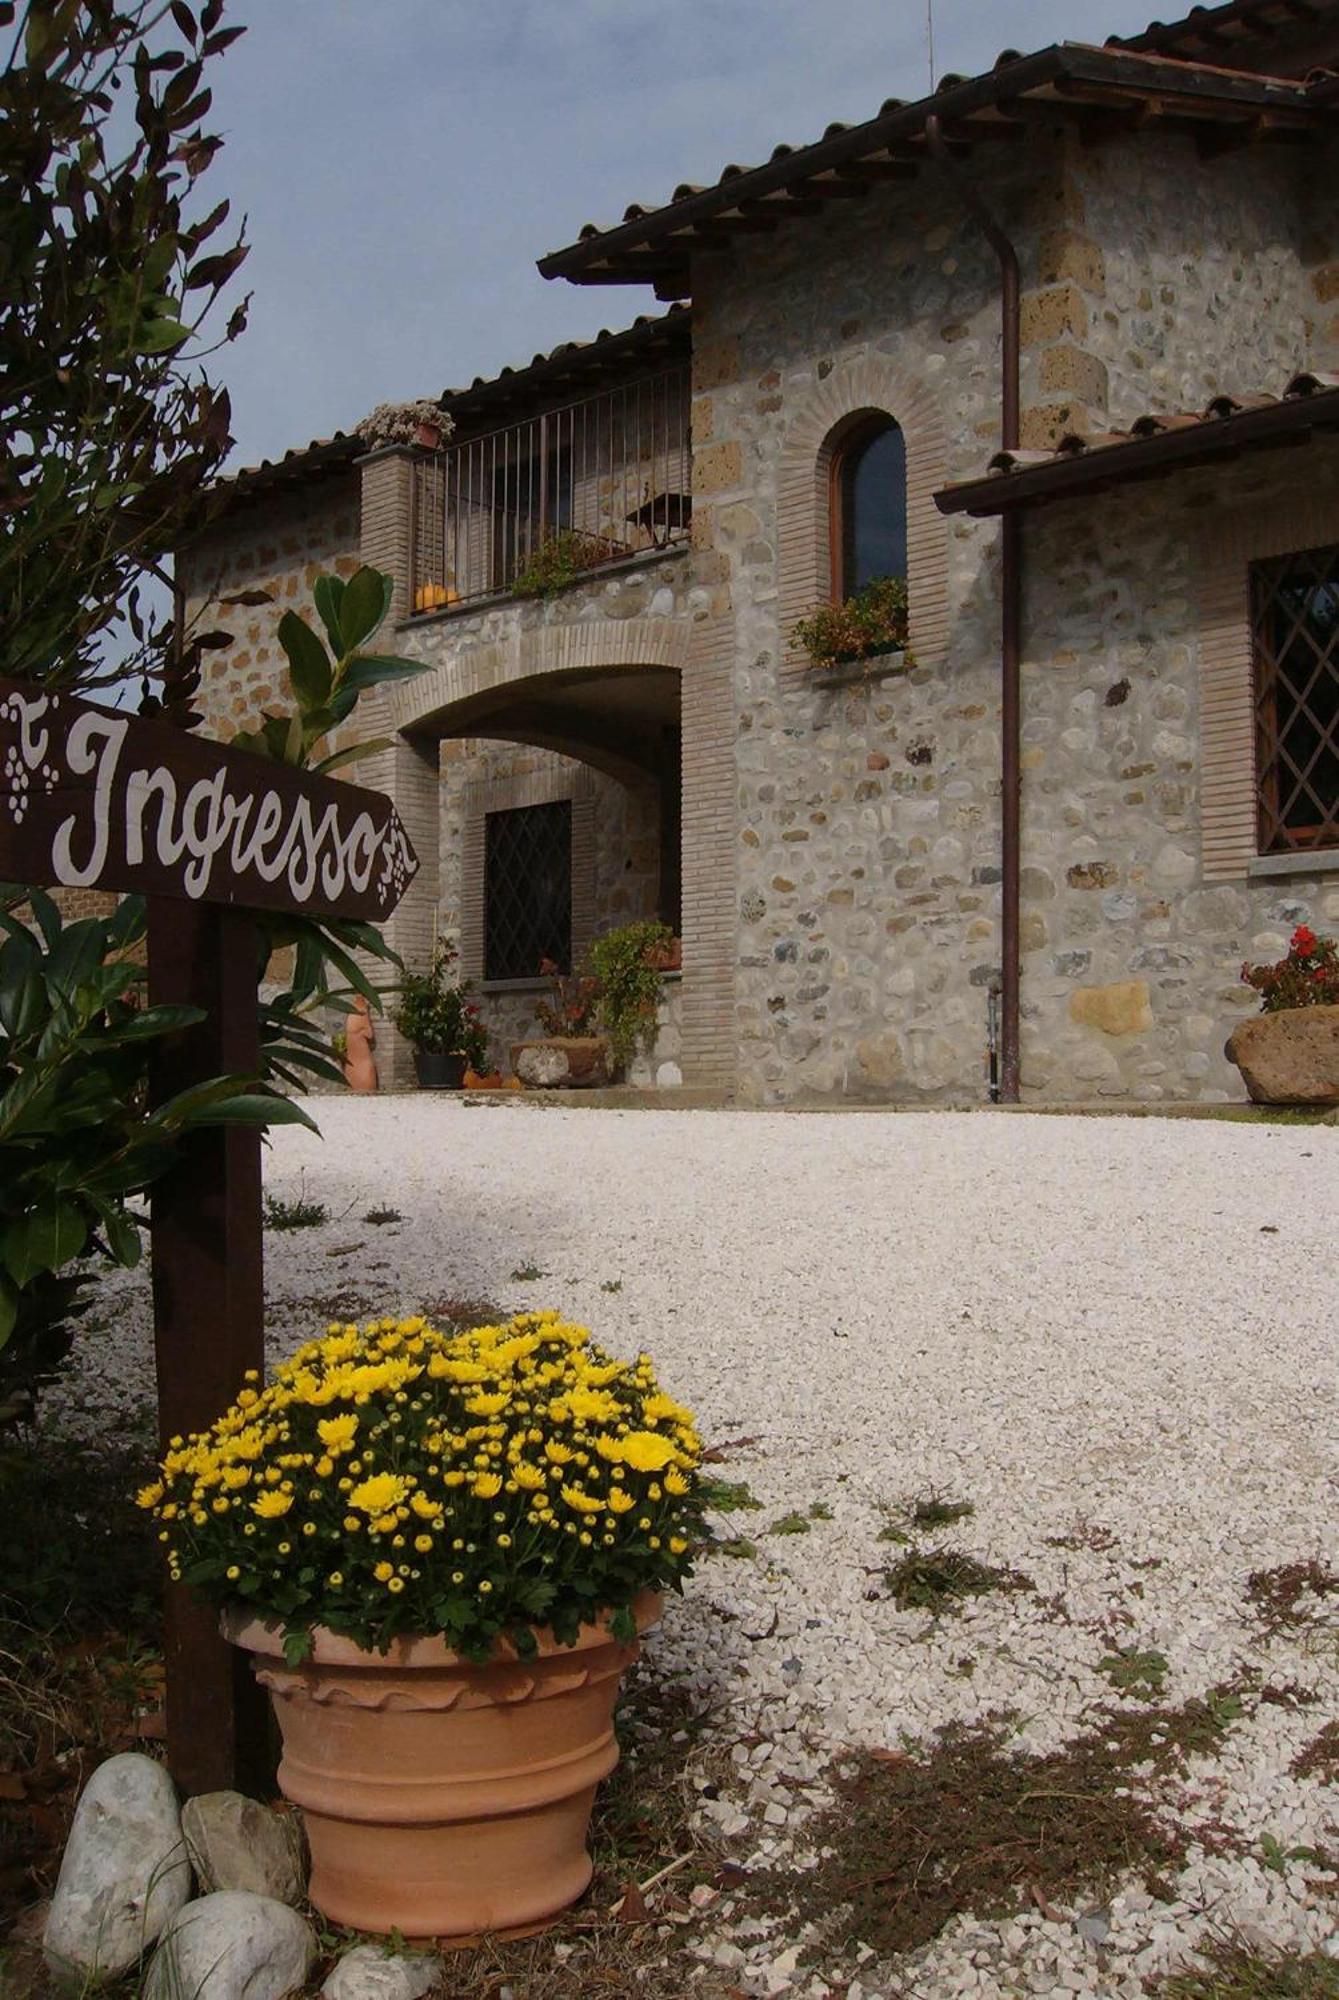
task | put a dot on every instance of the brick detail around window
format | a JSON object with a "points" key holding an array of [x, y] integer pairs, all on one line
{"points": [[535, 788], [1229, 545], [710, 864], [803, 499]]}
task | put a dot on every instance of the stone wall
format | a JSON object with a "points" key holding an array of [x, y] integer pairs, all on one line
{"points": [[280, 545], [868, 815]]}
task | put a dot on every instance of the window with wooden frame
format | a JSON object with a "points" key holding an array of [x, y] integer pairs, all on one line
{"points": [[1295, 642], [527, 890], [868, 505]]}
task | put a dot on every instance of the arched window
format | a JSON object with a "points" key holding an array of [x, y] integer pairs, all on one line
{"points": [[869, 505]]}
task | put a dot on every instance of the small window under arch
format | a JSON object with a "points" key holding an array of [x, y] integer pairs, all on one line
{"points": [[869, 506]]}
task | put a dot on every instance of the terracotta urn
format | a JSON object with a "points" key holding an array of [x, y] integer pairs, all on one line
{"points": [[444, 1799], [1290, 1056]]}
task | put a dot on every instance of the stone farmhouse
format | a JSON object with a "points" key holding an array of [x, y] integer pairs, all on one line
{"points": [[1060, 345]]}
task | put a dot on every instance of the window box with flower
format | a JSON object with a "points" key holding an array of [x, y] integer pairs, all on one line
{"points": [[441, 1551], [1289, 1053], [863, 637]]}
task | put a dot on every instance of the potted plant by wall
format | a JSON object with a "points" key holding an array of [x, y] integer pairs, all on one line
{"points": [[629, 965], [441, 1024], [1289, 1053], [570, 1054], [844, 640], [440, 1551]]}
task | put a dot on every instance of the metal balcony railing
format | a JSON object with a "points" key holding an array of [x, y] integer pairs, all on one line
{"points": [[527, 509]]}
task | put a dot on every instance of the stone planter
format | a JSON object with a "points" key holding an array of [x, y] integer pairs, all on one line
{"points": [[849, 673], [443, 1799], [1291, 1057], [438, 1072], [562, 1062]]}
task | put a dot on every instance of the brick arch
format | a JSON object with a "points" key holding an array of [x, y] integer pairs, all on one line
{"points": [[590, 646], [853, 389]]}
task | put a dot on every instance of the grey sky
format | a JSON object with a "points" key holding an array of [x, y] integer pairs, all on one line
{"points": [[403, 164]]}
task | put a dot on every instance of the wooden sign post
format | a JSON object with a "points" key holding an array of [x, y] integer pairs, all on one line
{"points": [[94, 799]]}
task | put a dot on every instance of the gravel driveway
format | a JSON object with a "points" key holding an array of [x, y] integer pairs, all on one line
{"points": [[1113, 1337]]}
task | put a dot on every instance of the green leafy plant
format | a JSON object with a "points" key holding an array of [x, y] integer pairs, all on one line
{"points": [[1132, 1672], [938, 1580], [435, 1014], [1307, 977], [282, 1215], [561, 560], [627, 964], [356, 1494], [862, 627], [78, 1140], [109, 430]]}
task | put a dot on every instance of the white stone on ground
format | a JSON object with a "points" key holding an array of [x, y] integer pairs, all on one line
{"points": [[1114, 1336], [232, 1946], [124, 1874], [372, 1972], [237, 1843]]}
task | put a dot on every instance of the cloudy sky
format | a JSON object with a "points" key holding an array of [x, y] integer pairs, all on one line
{"points": [[402, 165]]}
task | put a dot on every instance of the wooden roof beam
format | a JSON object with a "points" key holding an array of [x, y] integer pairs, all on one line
{"points": [[878, 170]]}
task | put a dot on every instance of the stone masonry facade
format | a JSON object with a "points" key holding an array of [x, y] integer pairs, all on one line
{"points": [[840, 844]]}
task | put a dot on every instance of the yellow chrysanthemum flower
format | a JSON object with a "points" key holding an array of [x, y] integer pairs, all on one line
{"points": [[487, 1485], [620, 1501], [337, 1433], [383, 1490], [645, 1452], [582, 1503], [270, 1505]]}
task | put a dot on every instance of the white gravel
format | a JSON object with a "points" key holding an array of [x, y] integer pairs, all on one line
{"points": [[1076, 1323]]}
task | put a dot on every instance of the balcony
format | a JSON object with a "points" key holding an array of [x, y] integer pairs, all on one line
{"points": [[529, 509]]}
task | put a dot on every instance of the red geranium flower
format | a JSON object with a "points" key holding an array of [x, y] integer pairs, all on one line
{"points": [[1304, 940]]}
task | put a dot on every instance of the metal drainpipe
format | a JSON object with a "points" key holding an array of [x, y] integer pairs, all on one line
{"points": [[1011, 618]]}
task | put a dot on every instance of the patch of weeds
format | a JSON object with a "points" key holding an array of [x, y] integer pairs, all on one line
{"points": [[1288, 1694], [526, 1274], [911, 1841], [1284, 1598], [379, 1217], [936, 1510], [727, 1496], [790, 1524], [738, 1546], [1320, 1757], [1087, 1535], [890, 1532], [820, 1511], [344, 1305], [458, 1315], [1135, 1673], [938, 1580], [611, 1284], [1277, 1858], [1235, 1972], [80, 1639], [300, 1213]]}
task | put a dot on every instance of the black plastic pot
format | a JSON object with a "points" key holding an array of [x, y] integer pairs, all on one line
{"points": [[439, 1072]]}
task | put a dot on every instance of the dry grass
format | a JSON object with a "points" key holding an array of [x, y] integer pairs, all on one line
{"points": [[1290, 1597], [1235, 1972], [912, 1841]]}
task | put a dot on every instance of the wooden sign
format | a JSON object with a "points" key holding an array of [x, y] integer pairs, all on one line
{"points": [[94, 799], [91, 798]]}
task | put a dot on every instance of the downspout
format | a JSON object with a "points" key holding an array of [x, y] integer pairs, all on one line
{"points": [[1011, 620]]}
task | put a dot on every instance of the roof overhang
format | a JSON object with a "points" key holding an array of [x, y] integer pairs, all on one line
{"points": [[1080, 470], [1273, 37], [1106, 89]]}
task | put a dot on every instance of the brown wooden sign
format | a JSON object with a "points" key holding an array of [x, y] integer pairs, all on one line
{"points": [[91, 798], [94, 799]]}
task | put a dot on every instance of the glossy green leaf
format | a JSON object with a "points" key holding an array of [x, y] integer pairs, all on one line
{"points": [[367, 599], [42, 1239], [328, 596], [309, 666]]}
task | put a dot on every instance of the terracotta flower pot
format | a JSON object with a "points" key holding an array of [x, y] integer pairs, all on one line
{"points": [[443, 1799]]}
